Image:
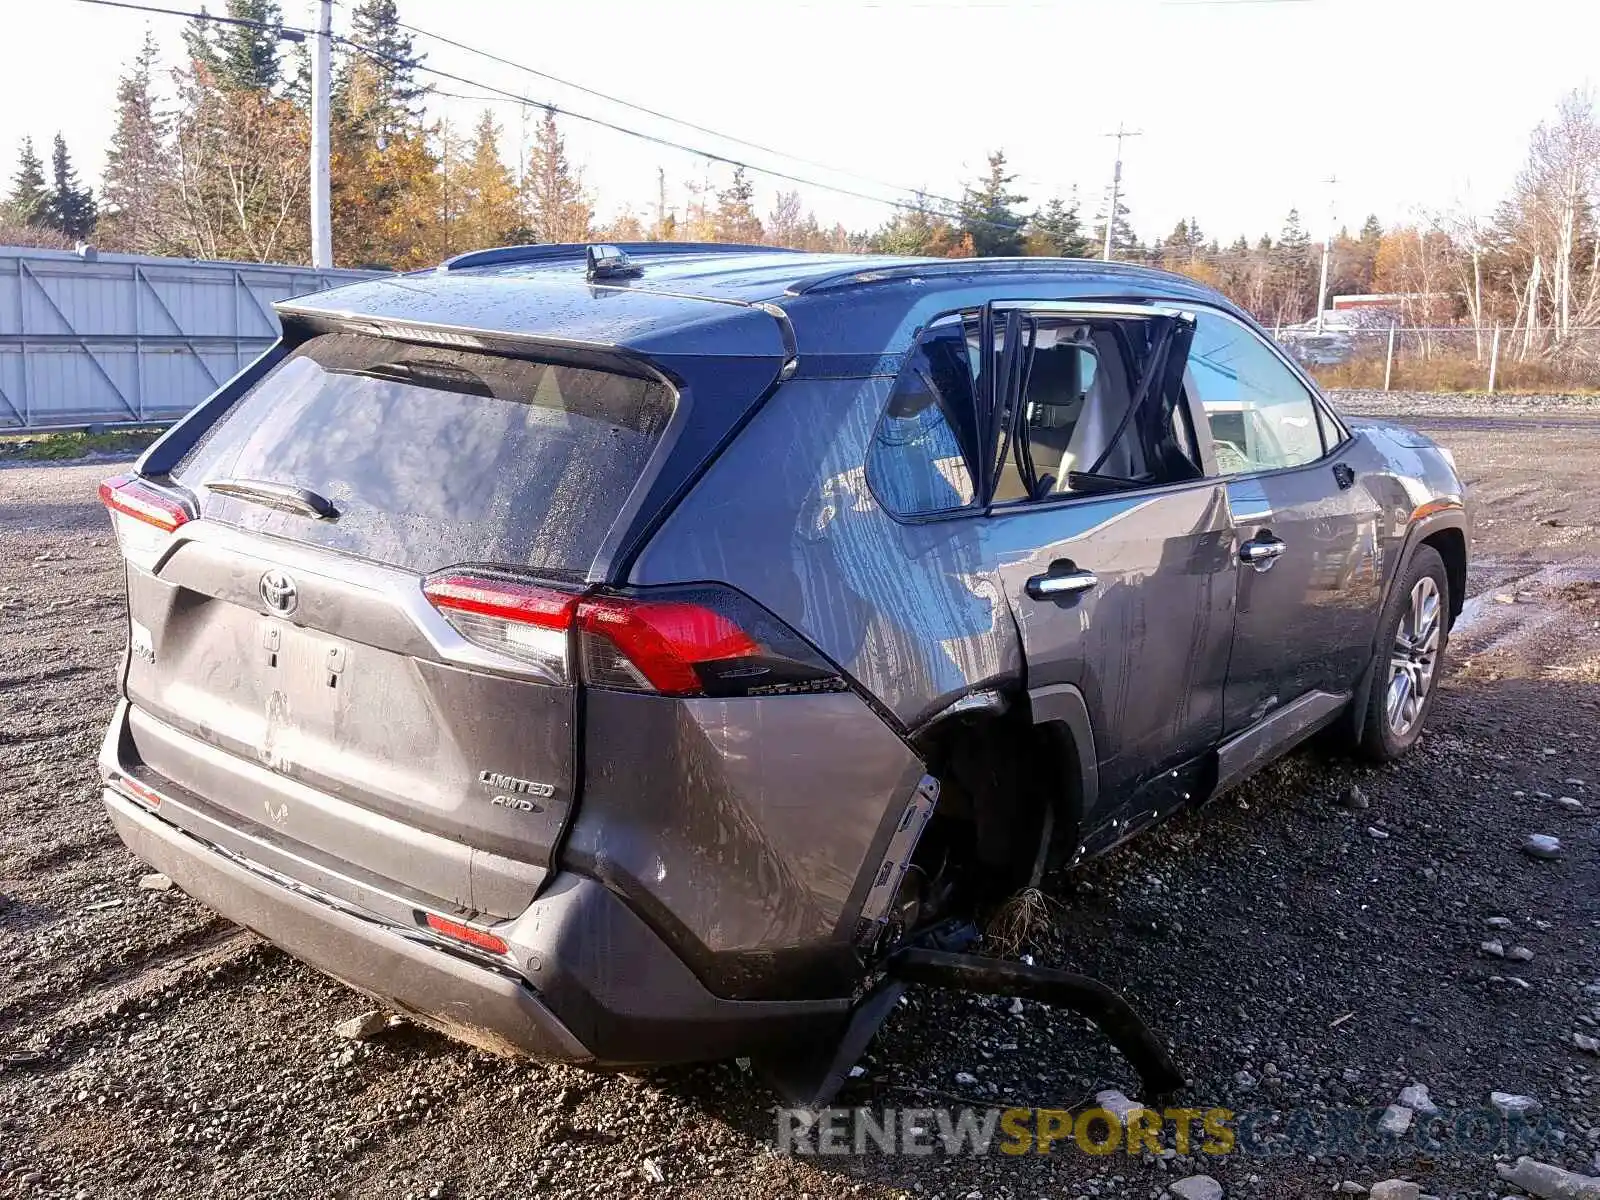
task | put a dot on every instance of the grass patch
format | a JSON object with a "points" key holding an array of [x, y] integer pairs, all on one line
{"points": [[1443, 373], [70, 444]]}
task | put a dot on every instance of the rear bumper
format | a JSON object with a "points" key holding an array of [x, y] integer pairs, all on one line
{"points": [[585, 981]]}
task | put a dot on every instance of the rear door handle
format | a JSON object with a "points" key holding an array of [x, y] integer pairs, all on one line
{"points": [[1053, 584], [1261, 552]]}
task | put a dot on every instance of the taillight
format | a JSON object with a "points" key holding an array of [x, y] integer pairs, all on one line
{"points": [[657, 645], [143, 515], [470, 935], [682, 641], [530, 623]]}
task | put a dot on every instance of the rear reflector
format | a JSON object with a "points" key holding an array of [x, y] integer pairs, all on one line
{"points": [[481, 939], [135, 790]]}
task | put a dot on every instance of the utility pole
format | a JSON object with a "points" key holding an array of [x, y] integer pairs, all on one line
{"points": [[1327, 249], [1116, 186], [661, 202], [321, 89]]}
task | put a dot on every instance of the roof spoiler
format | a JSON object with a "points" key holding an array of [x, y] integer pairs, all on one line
{"points": [[576, 252]]}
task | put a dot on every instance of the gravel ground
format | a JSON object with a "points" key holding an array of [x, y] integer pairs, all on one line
{"points": [[1302, 954]]}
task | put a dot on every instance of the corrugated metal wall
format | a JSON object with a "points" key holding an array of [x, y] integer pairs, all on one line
{"points": [[125, 337]]}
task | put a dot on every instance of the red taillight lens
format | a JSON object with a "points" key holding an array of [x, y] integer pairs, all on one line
{"points": [[132, 497], [658, 643], [471, 935], [682, 641]]}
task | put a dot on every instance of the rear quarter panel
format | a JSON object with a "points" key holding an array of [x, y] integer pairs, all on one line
{"points": [[911, 611]]}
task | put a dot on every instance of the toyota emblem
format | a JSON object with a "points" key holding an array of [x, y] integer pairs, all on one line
{"points": [[278, 590]]}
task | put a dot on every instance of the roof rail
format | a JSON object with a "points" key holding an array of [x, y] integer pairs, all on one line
{"points": [[579, 252], [916, 269]]}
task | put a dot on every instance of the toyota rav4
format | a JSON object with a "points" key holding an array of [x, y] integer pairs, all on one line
{"points": [[615, 654]]}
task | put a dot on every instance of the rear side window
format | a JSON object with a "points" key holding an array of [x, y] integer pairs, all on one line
{"points": [[918, 462], [435, 456]]}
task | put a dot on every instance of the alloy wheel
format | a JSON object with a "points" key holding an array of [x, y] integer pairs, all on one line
{"points": [[1414, 658]]}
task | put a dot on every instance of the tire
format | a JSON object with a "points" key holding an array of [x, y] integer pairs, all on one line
{"points": [[1413, 631]]}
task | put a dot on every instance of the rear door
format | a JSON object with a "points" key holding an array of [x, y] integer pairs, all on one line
{"points": [[1305, 525], [1113, 543], [289, 667]]}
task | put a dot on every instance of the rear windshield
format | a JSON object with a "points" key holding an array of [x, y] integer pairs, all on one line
{"points": [[434, 456]]}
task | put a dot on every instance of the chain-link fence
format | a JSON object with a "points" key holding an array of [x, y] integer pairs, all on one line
{"points": [[1449, 358]]}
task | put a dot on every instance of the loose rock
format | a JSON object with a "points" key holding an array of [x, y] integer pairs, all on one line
{"points": [[359, 1029], [1416, 1098], [1519, 954], [1589, 1045], [1395, 1189], [1117, 1104], [1550, 1182], [1395, 1121], [1509, 1104], [1354, 798], [156, 883], [1498, 922], [1542, 845], [1570, 803], [1494, 949], [1196, 1187], [1374, 832]]}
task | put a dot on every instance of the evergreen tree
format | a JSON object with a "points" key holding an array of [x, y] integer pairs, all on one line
{"points": [[70, 207], [487, 190], [1292, 271], [1123, 241], [989, 212], [26, 205], [554, 208], [735, 219], [376, 93], [239, 57], [138, 167], [1056, 232]]}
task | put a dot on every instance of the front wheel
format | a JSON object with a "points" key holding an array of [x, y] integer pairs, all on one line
{"points": [[1411, 645]]}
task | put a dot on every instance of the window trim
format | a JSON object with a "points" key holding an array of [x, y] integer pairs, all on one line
{"points": [[972, 506], [1113, 309], [1318, 402]]}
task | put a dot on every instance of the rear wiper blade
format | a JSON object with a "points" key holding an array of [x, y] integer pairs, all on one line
{"points": [[276, 495]]}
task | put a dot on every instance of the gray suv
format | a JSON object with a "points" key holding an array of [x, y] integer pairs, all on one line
{"points": [[617, 654]]}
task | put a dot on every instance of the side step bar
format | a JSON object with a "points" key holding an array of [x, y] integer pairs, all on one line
{"points": [[811, 1079]]}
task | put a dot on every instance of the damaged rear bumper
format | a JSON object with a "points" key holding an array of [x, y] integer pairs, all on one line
{"points": [[584, 980]]}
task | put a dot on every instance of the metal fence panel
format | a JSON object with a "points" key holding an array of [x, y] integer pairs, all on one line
{"points": [[126, 337]]}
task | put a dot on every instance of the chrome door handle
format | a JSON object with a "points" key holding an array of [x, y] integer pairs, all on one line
{"points": [[1261, 553], [1046, 586]]}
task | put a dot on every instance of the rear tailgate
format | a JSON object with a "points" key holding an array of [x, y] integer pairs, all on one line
{"points": [[288, 669]]}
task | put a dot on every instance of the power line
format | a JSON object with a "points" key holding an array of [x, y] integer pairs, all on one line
{"points": [[287, 32], [656, 139], [668, 117]]}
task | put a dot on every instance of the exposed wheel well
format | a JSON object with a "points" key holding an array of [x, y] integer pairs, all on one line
{"points": [[1006, 796], [1451, 545]]}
